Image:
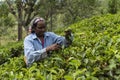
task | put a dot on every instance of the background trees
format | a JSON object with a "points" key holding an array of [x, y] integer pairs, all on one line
{"points": [[76, 10], [113, 6], [24, 11], [57, 13], [6, 21]]}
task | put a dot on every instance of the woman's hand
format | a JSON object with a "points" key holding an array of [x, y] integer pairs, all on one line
{"points": [[53, 47]]}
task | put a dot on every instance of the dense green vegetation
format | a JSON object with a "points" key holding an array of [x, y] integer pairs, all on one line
{"points": [[94, 55]]}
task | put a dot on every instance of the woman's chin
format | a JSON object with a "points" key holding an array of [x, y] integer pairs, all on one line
{"points": [[41, 35]]}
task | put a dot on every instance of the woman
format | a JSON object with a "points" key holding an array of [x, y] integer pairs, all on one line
{"points": [[39, 42]]}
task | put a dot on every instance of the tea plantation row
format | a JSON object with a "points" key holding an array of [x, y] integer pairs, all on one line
{"points": [[94, 55]]}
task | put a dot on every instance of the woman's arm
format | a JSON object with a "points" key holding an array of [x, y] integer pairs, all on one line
{"points": [[30, 54]]}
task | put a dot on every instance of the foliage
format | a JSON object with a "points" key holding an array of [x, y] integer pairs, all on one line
{"points": [[25, 10], [76, 10], [57, 13], [5, 19], [94, 55], [10, 51], [113, 6]]}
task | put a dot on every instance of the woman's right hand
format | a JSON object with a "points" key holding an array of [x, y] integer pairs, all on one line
{"points": [[53, 47]]}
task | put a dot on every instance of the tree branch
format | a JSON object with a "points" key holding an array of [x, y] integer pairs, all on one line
{"points": [[11, 9]]}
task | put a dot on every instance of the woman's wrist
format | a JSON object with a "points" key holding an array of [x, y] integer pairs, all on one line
{"points": [[47, 49]]}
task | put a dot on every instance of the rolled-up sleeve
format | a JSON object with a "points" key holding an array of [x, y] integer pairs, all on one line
{"points": [[58, 39], [30, 53], [63, 41]]}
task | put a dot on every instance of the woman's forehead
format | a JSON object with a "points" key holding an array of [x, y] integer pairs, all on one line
{"points": [[41, 23]]}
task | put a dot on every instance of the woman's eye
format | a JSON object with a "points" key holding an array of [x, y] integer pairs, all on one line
{"points": [[41, 27]]}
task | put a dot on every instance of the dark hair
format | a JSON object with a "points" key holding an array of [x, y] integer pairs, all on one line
{"points": [[34, 23]]}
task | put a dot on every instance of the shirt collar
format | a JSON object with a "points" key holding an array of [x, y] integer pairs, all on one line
{"points": [[34, 36]]}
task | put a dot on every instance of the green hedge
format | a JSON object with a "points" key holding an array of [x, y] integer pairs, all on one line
{"points": [[10, 50], [94, 55]]}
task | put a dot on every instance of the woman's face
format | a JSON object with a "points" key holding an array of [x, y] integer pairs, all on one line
{"points": [[40, 29]]}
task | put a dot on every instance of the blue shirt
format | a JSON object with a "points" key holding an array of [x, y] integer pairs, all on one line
{"points": [[33, 48]]}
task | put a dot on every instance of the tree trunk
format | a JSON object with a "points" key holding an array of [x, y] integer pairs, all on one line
{"points": [[19, 31], [51, 19], [19, 24]]}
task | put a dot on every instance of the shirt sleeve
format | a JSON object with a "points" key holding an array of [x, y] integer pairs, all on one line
{"points": [[30, 53], [63, 41], [58, 39]]}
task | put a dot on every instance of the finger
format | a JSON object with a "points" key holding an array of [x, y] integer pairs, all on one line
{"points": [[58, 47]]}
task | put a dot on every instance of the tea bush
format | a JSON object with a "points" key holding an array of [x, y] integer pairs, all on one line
{"points": [[10, 50], [94, 55]]}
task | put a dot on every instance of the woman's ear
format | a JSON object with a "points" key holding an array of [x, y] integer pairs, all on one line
{"points": [[33, 30]]}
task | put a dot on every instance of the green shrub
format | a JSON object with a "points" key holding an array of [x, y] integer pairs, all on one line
{"points": [[94, 55]]}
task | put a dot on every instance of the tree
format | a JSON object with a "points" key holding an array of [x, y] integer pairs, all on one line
{"points": [[24, 11], [112, 6], [50, 9], [79, 9], [6, 20]]}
